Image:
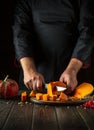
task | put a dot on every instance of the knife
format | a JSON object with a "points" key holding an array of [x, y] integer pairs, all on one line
{"points": [[60, 88], [57, 88]]}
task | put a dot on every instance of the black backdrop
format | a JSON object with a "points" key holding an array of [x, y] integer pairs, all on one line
{"points": [[7, 54]]}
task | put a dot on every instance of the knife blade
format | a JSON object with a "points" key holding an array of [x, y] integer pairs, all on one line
{"points": [[60, 88], [57, 88]]}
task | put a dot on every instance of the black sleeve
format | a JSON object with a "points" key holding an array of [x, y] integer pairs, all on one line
{"points": [[22, 29], [85, 41]]}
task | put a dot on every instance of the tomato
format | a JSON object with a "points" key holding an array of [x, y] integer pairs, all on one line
{"points": [[8, 88]]}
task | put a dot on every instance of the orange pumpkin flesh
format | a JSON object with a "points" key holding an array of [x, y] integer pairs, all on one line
{"points": [[45, 97], [32, 94], [39, 96], [63, 97], [50, 89], [23, 96], [80, 92], [83, 90], [51, 94]]}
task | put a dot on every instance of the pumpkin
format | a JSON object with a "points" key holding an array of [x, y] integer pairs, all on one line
{"points": [[23, 96], [83, 90], [45, 97], [39, 96], [32, 94], [51, 88], [54, 97], [8, 88], [63, 97], [80, 92]]}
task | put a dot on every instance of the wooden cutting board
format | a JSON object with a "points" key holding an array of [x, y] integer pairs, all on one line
{"points": [[67, 103]]}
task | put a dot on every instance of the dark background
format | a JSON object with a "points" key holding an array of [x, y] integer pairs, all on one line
{"points": [[7, 54]]}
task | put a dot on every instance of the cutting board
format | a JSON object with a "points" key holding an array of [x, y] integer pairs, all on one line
{"points": [[67, 103]]}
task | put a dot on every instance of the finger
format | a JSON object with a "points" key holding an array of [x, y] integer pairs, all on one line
{"points": [[29, 84], [71, 86], [34, 85], [62, 79], [43, 81], [39, 85]]}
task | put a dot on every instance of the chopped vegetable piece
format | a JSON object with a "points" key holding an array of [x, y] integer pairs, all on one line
{"points": [[83, 90], [39, 96], [51, 88], [32, 93], [23, 96], [63, 97], [54, 97], [45, 97]]}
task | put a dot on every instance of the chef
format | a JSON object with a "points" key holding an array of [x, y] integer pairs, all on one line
{"points": [[53, 40]]}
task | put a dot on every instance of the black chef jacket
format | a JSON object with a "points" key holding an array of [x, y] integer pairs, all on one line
{"points": [[53, 32]]}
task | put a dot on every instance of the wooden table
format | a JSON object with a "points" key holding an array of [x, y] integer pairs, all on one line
{"points": [[44, 117]]}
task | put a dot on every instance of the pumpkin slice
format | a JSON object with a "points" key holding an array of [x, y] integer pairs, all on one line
{"points": [[32, 94], [63, 97], [54, 97], [83, 90], [23, 96], [45, 97], [39, 96], [50, 88]]}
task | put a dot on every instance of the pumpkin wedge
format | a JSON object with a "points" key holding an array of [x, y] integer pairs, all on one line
{"points": [[50, 89], [83, 90]]}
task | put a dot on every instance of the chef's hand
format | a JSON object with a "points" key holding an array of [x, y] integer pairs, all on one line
{"points": [[70, 79], [33, 80], [69, 76]]}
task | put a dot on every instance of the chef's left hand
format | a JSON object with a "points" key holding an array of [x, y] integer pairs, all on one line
{"points": [[69, 77]]}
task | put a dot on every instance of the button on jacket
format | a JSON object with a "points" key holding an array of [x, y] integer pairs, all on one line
{"points": [[53, 32]]}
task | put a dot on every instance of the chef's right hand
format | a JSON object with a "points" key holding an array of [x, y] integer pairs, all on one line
{"points": [[33, 80]]}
